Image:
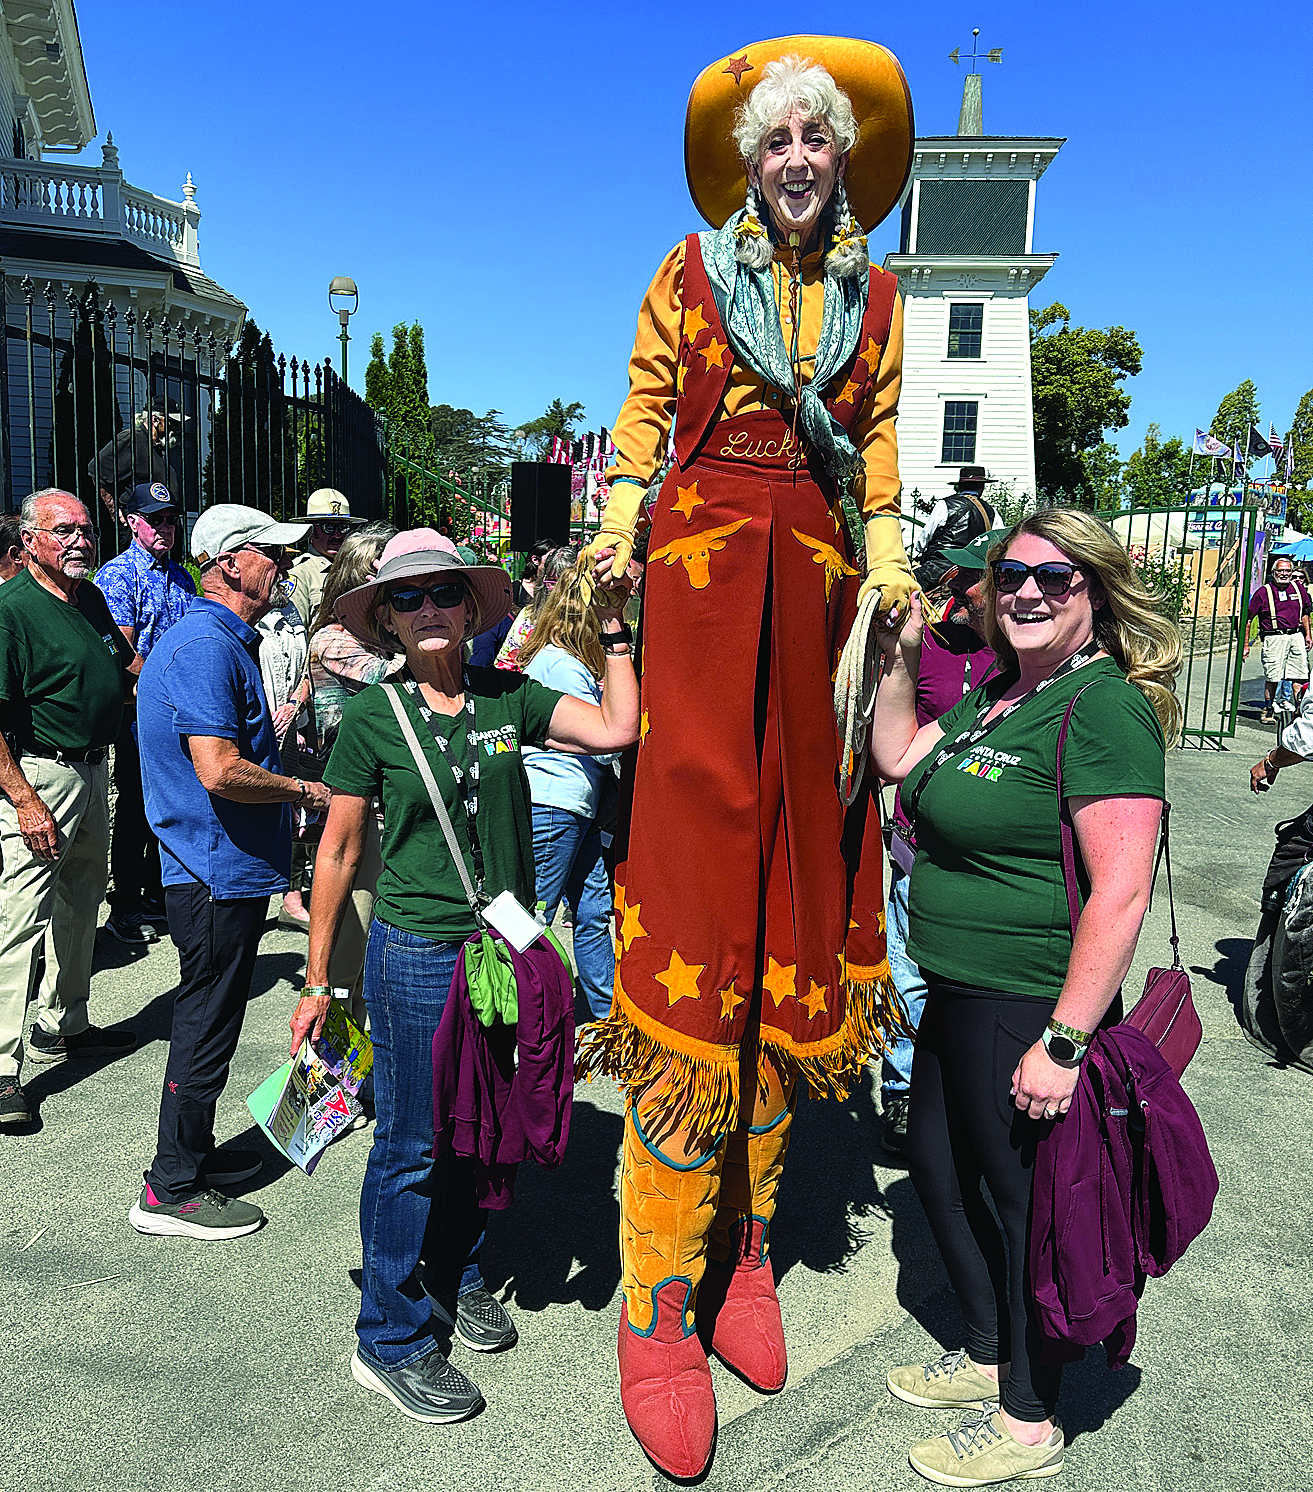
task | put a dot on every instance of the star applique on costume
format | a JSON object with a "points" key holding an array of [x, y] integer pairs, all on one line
{"points": [[681, 373], [681, 979], [630, 926], [736, 67], [695, 323], [827, 555], [870, 355], [686, 500], [815, 1002], [781, 981], [644, 725], [714, 352], [849, 391], [695, 552], [729, 1002]]}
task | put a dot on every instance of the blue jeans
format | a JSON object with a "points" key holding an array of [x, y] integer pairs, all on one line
{"points": [[896, 1075], [407, 979], [567, 861]]}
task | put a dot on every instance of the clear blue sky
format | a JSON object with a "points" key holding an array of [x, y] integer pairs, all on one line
{"points": [[510, 175]]}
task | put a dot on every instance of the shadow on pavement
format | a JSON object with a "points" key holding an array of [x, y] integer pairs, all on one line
{"points": [[1229, 970], [559, 1244]]}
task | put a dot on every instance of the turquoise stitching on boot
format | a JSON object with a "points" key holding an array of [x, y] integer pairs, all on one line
{"points": [[675, 1165]]}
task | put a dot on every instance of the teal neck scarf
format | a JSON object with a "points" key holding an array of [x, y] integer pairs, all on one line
{"points": [[745, 299]]}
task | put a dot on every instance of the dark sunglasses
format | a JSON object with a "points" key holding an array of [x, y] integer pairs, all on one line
{"points": [[333, 530], [1054, 577], [273, 552], [444, 595]]}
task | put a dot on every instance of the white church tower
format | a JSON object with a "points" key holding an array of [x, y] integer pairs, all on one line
{"points": [[965, 267]]}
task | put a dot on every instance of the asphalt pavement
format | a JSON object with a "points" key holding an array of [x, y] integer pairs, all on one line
{"points": [[135, 1364]]}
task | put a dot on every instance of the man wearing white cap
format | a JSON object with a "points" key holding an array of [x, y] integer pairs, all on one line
{"points": [[329, 515], [216, 798]]}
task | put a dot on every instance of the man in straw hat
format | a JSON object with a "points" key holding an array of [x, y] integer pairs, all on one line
{"points": [[330, 518], [774, 347]]}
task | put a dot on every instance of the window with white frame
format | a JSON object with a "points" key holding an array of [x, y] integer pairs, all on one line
{"points": [[960, 416], [966, 321]]}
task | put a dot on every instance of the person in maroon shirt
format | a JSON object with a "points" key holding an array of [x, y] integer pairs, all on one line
{"points": [[1282, 607], [955, 659]]}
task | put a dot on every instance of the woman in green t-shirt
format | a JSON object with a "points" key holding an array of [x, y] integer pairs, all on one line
{"points": [[1013, 999], [471, 724]]}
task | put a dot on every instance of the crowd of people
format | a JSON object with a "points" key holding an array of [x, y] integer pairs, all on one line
{"points": [[371, 732]]}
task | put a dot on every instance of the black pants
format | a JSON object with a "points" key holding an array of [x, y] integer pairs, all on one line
{"points": [[962, 1129], [134, 856], [217, 943]]}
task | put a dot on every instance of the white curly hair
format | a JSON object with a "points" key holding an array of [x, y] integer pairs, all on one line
{"points": [[798, 84]]}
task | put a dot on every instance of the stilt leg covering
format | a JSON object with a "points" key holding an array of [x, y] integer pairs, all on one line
{"points": [[738, 1310], [666, 1211]]}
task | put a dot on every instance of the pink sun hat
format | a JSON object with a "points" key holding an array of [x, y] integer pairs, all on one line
{"points": [[424, 551]]}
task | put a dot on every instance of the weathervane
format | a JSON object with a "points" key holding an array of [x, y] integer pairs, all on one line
{"points": [[995, 54]]}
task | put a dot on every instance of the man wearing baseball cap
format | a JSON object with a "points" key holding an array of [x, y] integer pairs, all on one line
{"points": [[329, 515], [147, 593], [955, 659], [216, 798]]}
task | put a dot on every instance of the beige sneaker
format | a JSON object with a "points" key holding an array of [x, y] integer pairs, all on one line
{"points": [[981, 1450], [951, 1382]]}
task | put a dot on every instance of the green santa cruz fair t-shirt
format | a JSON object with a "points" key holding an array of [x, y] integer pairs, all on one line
{"points": [[419, 889], [987, 903]]}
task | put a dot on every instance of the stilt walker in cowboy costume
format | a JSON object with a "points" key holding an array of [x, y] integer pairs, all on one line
{"points": [[749, 904]]}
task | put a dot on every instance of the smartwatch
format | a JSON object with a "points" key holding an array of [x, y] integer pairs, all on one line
{"points": [[612, 639], [1061, 1044]]}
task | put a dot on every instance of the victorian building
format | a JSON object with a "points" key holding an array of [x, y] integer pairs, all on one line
{"points": [[966, 267]]}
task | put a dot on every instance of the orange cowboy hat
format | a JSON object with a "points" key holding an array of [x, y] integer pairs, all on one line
{"points": [[869, 74]]}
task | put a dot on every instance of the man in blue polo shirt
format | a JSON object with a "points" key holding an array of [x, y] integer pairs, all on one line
{"points": [[216, 798], [147, 592]]}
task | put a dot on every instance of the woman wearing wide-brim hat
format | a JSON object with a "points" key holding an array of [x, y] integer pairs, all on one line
{"points": [[749, 905], [471, 724]]}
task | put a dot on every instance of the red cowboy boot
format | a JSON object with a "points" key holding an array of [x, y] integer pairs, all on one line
{"points": [[665, 1382], [738, 1310]]}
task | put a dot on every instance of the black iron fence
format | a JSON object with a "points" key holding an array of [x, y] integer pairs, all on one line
{"points": [[95, 399]]}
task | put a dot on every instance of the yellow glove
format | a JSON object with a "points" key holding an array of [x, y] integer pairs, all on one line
{"points": [[887, 569], [619, 520]]}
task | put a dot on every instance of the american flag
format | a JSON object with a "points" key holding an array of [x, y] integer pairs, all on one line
{"points": [[1274, 440]]}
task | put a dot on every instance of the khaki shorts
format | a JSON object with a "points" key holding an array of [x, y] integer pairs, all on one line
{"points": [[1284, 657]]}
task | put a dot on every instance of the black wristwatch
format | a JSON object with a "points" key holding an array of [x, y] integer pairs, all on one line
{"points": [[611, 639]]}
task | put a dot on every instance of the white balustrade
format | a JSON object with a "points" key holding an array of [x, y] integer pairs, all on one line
{"points": [[96, 199]]}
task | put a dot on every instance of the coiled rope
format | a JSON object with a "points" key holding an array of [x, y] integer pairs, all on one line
{"points": [[854, 695]]}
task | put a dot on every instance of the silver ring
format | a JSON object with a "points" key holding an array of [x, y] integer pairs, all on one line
{"points": [[1050, 1113]]}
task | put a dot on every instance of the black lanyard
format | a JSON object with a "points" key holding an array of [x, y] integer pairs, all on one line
{"points": [[967, 737], [466, 775]]}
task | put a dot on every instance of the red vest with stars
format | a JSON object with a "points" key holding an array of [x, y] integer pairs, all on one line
{"points": [[706, 358]]}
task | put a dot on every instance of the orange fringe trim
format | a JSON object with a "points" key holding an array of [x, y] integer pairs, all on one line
{"points": [[701, 1093]]}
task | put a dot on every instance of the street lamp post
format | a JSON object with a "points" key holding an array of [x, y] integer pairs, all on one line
{"points": [[342, 289]]}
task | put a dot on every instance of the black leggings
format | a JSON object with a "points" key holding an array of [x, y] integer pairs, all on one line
{"points": [[962, 1128]]}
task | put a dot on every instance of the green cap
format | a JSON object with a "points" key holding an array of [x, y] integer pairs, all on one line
{"points": [[972, 556]]}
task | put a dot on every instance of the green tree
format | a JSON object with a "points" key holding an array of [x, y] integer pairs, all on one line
{"points": [[1107, 474], [1158, 473], [558, 419], [1237, 412], [397, 387], [1301, 475], [1075, 376]]}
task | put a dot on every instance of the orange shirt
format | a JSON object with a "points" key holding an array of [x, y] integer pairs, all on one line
{"points": [[642, 430]]}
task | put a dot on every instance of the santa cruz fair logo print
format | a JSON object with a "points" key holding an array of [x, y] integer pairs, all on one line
{"points": [[986, 763]]}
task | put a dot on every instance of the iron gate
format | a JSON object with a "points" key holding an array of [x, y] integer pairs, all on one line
{"points": [[1205, 562]]}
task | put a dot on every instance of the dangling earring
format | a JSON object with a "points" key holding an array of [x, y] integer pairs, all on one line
{"points": [[752, 245]]}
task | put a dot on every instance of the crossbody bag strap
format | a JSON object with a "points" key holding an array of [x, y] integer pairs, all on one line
{"points": [[1071, 852], [435, 797]]}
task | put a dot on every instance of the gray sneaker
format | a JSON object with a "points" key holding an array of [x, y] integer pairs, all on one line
{"points": [[208, 1215], [950, 1382], [14, 1107], [483, 1324], [430, 1390]]}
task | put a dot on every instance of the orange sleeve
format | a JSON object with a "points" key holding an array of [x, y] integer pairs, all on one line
{"points": [[874, 434], [642, 428]]}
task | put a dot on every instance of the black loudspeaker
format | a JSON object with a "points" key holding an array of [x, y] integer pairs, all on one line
{"points": [[540, 503]]}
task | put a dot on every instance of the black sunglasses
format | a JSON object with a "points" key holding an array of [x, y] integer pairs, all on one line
{"points": [[333, 530], [1054, 577], [444, 595]]}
